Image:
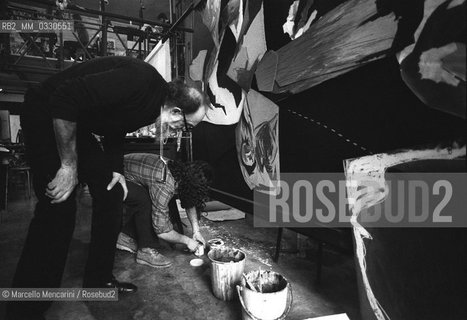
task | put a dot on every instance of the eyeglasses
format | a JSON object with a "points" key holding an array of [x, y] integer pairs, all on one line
{"points": [[188, 127], [175, 133]]}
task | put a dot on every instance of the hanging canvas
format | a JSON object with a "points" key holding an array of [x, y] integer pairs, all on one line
{"points": [[225, 95], [228, 23], [349, 36], [435, 67], [366, 187], [250, 50], [197, 65], [257, 142], [159, 58]]}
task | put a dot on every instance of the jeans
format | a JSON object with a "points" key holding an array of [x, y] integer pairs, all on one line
{"points": [[139, 207]]}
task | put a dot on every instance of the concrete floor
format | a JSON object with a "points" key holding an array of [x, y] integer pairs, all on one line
{"points": [[183, 291]]}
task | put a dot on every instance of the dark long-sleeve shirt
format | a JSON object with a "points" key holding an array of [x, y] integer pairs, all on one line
{"points": [[108, 96]]}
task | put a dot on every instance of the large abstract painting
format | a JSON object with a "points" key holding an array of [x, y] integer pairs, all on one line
{"points": [[236, 29], [257, 142]]}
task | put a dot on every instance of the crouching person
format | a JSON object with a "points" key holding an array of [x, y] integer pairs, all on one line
{"points": [[151, 184]]}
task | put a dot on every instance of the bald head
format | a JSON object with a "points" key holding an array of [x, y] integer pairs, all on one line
{"points": [[188, 99], [184, 107]]}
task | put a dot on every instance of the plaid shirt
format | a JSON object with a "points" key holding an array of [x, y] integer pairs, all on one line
{"points": [[148, 170]]}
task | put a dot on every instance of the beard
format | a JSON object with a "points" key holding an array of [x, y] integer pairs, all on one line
{"points": [[163, 131]]}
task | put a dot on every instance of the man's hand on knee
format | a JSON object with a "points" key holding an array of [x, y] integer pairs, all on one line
{"points": [[61, 187]]}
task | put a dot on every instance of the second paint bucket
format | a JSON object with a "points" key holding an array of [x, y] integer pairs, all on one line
{"points": [[269, 299]]}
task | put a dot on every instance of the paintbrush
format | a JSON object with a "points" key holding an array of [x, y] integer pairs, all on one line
{"points": [[260, 280], [252, 287]]}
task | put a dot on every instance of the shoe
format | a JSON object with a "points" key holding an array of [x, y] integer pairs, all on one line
{"points": [[151, 257], [126, 243], [122, 287]]}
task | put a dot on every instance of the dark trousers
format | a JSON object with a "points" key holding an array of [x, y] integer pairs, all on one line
{"points": [[44, 254], [139, 208]]}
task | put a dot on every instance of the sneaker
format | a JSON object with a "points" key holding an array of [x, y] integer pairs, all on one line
{"points": [[151, 257], [126, 243]]}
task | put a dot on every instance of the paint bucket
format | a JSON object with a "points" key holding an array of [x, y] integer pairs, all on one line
{"points": [[215, 243], [227, 265], [270, 299]]}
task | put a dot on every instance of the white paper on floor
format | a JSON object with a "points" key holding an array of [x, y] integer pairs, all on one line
{"points": [[223, 215]]}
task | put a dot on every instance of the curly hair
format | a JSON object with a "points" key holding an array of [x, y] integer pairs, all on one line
{"points": [[186, 98], [194, 179]]}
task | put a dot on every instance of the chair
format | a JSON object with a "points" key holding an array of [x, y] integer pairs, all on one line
{"points": [[17, 166], [25, 170]]}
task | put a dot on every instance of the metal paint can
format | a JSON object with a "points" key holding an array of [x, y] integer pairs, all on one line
{"points": [[215, 243], [199, 251]]}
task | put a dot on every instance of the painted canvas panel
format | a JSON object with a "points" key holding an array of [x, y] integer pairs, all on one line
{"points": [[249, 52], [159, 58], [366, 187], [236, 29], [225, 94], [257, 142]]}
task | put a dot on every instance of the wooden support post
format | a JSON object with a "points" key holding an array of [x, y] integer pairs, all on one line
{"points": [[104, 31], [278, 245]]}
